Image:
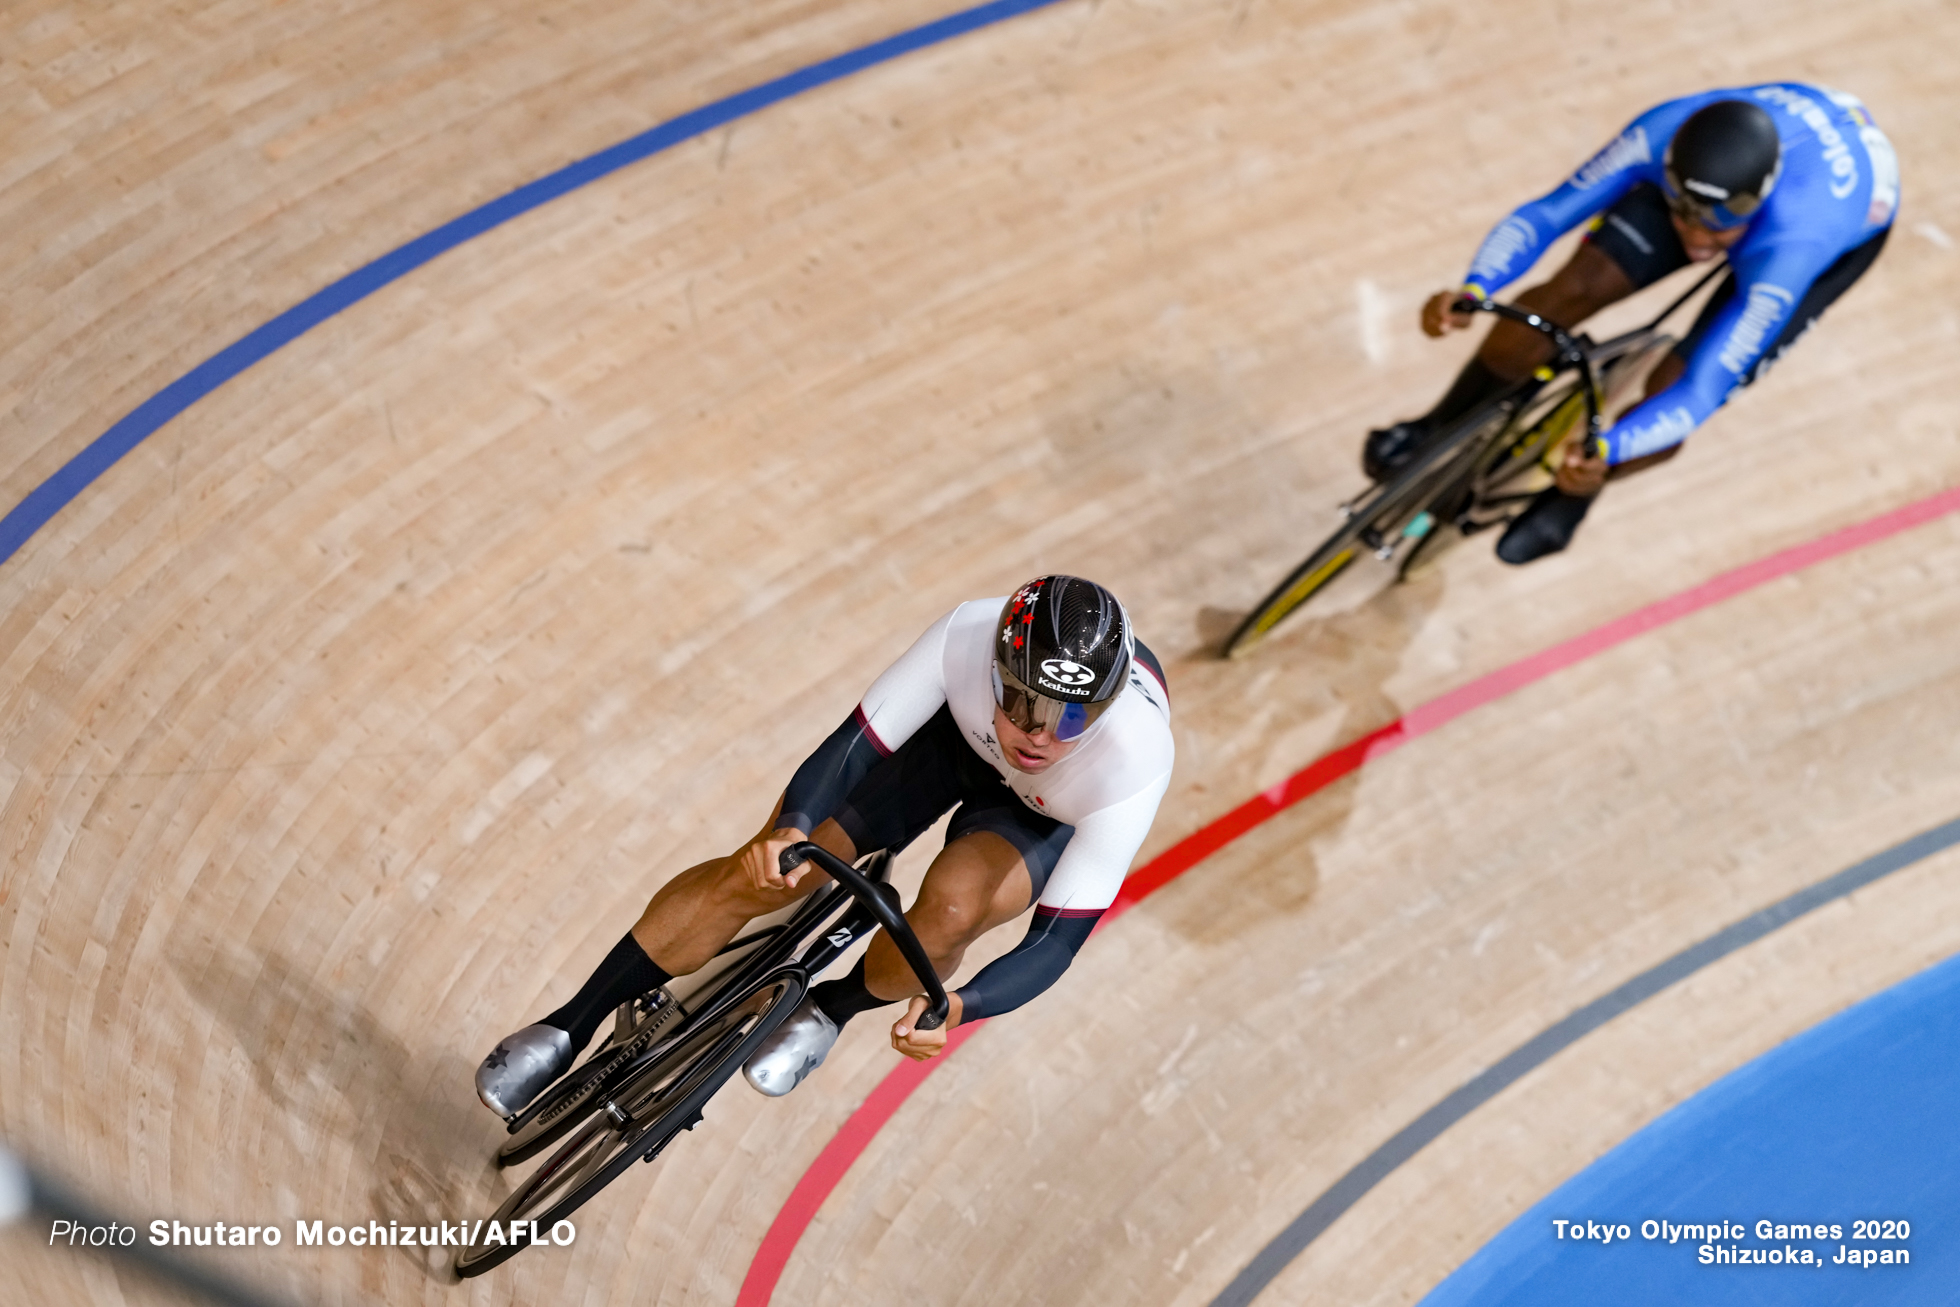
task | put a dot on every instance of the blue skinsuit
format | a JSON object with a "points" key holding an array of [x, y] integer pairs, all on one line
{"points": [[1839, 187]]}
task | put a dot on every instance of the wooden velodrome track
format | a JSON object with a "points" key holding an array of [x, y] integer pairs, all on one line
{"points": [[347, 720]]}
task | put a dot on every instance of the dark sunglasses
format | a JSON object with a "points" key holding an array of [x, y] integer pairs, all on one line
{"points": [[1715, 216], [1035, 713]]}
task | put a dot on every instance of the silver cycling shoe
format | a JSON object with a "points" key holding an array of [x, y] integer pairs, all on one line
{"points": [[520, 1066], [798, 1047]]}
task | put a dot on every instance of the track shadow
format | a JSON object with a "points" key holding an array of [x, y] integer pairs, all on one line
{"points": [[1248, 725], [1210, 485], [333, 1069]]}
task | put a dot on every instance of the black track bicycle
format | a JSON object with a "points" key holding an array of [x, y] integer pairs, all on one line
{"points": [[671, 1049], [1482, 470]]}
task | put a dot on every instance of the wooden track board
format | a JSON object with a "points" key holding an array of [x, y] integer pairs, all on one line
{"points": [[347, 721]]}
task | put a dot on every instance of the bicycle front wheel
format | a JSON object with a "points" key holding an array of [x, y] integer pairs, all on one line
{"points": [[1300, 585], [638, 1120], [1382, 520]]}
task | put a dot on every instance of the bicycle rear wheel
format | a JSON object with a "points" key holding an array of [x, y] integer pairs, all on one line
{"points": [[640, 1118]]}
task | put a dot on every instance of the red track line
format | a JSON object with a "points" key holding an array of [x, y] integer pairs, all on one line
{"points": [[891, 1093]]}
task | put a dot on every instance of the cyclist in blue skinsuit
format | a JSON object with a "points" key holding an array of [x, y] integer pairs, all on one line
{"points": [[1795, 183]]}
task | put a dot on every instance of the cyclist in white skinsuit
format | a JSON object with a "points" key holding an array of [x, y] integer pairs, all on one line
{"points": [[1039, 716], [1106, 787]]}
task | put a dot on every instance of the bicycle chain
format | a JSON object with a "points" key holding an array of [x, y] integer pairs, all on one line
{"points": [[627, 1052]]}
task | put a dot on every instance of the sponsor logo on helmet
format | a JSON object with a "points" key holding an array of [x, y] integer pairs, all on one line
{"points": [[1066, 671]]}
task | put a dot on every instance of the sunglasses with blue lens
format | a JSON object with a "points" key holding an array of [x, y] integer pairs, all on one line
{"points": [[1035, 713]]}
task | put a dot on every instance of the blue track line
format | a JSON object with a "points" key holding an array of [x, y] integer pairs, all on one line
{"points": [[1850, 1123], [59, 490], [1310, 1224]]}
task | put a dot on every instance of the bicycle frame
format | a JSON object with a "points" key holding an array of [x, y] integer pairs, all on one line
{"points": [[657, 1079], [807, 935], [794, 946], [1581, 350], [1454, 478], [1573, 350]]}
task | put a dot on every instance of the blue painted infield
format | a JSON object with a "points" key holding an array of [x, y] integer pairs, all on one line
{"points": [[1852, 1120], [59, 490]]}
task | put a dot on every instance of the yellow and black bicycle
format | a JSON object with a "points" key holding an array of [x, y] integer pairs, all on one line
{"points": [[1481, 471]]}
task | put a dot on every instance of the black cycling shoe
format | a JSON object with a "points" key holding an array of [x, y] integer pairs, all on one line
{"points": [[1390, 449], [1545, 527]]}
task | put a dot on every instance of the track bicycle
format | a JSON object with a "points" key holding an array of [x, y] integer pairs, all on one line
{"points": [[1483, 469], [669, 1050]]}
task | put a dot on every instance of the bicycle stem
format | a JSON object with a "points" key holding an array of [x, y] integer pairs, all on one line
{"points": [[888, 916]]}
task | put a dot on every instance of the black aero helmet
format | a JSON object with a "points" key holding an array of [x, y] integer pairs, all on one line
{"points": [[1062, 653], [1722, 163]]}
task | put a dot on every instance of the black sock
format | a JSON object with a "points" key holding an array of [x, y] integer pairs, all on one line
{"points": [[1475, 384], [840, 1000], [626, 973]]}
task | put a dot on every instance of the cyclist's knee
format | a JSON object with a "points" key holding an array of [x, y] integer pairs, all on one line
{"points": [[948, 921]]}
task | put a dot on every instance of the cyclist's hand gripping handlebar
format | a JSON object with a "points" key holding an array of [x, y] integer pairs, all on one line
{"points": [[888, 915]]}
